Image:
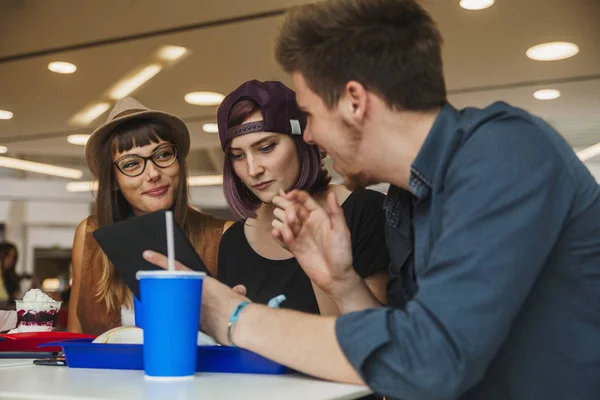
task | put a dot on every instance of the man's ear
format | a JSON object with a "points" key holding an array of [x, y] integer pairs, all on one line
{"points": [[353, 103]]}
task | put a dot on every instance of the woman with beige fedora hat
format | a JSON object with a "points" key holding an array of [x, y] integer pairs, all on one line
{"points": [[138, 157]]}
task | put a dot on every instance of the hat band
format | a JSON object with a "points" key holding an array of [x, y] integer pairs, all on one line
{"points": [[128, 112], [256, 126]]}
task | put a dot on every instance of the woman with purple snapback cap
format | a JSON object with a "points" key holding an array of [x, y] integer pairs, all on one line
{"points": [[260, 128], [138, 157]]}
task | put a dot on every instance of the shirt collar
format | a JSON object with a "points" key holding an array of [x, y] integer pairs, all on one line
{"points": [[427, 161]]}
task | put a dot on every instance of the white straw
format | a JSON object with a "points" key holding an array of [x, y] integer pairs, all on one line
{"points": [[170, 241]]}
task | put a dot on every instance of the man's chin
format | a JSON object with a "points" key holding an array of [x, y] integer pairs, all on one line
{"points": [[354, 183]]}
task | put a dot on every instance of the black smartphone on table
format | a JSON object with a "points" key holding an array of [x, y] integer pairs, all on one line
{"points": [[54, 361]]}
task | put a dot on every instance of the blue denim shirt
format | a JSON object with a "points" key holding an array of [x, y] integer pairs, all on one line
{"points": [[500, 295]]}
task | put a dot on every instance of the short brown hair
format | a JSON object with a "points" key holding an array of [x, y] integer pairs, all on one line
{"points": [[392, 47]]}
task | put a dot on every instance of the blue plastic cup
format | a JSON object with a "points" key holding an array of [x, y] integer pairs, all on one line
{"points": [[171, 318], [138, 312]]}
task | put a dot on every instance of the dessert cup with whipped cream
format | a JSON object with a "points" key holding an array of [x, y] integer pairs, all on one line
{"points": [[37, 312]]}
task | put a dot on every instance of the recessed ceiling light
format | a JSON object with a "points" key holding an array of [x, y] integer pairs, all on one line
{"points": [[62, 67], [40, 168], [171, 53], [552, 51], [589, 152], [205, 180], [210, 127], [476, 4], [3, 149], [82, 186], [90, 113], [79, 140], [547, 94], [204, 98], [50, 284], [5, 114], [128, 85]]}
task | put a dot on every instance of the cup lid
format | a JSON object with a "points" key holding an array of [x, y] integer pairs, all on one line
{"points": [[164, 274]]}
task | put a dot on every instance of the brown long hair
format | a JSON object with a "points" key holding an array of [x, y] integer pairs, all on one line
{"points": [[111, 206]]}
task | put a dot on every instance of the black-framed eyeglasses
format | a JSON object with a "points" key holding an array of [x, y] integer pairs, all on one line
{"points": [[134, 165]]}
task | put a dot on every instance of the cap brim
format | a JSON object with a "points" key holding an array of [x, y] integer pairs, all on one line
{"points": [[94, 143]]}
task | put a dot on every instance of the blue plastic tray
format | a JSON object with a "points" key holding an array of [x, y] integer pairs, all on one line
{"points": [[82, 353]]}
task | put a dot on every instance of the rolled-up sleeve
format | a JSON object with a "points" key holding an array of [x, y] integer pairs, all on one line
{"points": [[506, 196]]}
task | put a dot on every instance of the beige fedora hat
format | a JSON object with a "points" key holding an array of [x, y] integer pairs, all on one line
{"points": [[127, 109]]}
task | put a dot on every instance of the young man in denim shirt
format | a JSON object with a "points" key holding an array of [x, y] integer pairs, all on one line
{"points": [[500, 297]]}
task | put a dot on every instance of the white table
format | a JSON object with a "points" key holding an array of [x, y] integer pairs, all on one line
{"points": [[28, 381], [13, 362]]}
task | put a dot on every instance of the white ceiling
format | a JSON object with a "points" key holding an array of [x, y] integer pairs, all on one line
{"points": [[231, 41]]}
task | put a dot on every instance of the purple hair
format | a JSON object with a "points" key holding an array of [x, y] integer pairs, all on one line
{"points": [[313, 177]]}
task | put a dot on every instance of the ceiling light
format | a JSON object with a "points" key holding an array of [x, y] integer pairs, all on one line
{"points": [[552, 51], [3, 149], [201, 180], [210, 127], [476, 4], [62, 67], [171, 53], [82, 186], [126, 86], [79, 140], [5, 114], [205, 180], [50, 284], [89, 114], [40, 168], [204, 98], [547, 94], [589, 153]]}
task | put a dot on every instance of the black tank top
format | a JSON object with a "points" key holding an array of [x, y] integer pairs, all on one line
{"points": [[265, 278]]}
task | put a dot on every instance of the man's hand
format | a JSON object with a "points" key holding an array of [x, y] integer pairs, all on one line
{"points": [[218, 300], [239, 289], [318, 238], [304, 342]]}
